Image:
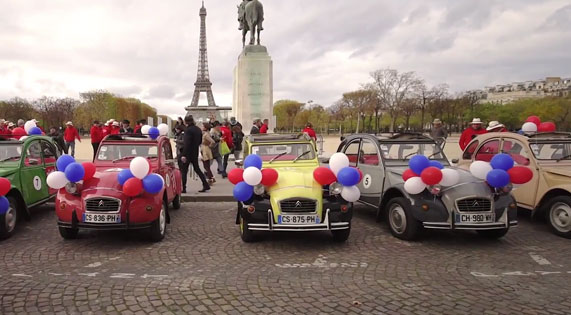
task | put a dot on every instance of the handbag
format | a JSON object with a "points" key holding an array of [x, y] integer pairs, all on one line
{"points": [[224, 149]]}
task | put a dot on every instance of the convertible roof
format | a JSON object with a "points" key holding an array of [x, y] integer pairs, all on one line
{"points": [[278, 137], [395, 137], [551, 135]]}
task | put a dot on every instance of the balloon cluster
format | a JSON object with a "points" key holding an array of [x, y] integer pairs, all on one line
{"points": [[138, 178], [32, 129], [252, 175], [5, 187], [431, 172], [69, 171], [533, 124], [155, 132], [501, 171], [339, 171]]}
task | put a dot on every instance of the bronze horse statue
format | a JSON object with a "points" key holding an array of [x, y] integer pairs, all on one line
{"points": [[251, 16]]}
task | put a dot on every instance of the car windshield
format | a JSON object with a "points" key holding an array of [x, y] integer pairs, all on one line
{"points": [[400, 153], [284, 151], [551, 150], [118, 152], [10, 153]]}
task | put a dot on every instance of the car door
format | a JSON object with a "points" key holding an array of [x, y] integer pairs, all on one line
{"points": [[167, 169], [33, 174], [487, 150], [524, 194], [50, 155], [370, 165]]}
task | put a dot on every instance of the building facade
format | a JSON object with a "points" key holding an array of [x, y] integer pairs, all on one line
{"points": [[507, 93]]}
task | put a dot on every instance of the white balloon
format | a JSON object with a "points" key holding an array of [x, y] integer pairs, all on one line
{"points": [[145, 129], [22, 138], [139, 167], [480, 169], [351, 193], [57, 180], [414, 185], [252, 176], [529, 127], [450, 177], [163, 129], [29, 125], [338, 161]]}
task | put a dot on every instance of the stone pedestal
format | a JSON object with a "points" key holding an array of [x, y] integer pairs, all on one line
{"points": [[253, 87]]}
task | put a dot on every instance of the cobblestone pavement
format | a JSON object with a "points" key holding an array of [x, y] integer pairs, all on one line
{"points": [[203, 267]]}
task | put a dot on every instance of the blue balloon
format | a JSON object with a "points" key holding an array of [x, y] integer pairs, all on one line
{"points": [[4, 205], [124, 175], [253, 160], [243, 192], [436, 164], [418, 163], [498, 178], [153, 183], [154, 132], [74, 172], [348, 176], [63, 161], [502, 161], [35, 131], [520, 132]]}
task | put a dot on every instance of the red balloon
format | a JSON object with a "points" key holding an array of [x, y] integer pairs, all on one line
{"points": [[546, 127], [324, 176], [408, 174], [520, 174], [431, 175], [5, 186], [269, 176], [236, 175], [534, 119], [133, 187], [89, 170], [360, 173]]}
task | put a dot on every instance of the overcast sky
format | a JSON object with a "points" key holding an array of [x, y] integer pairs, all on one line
{"points": [[320, 48]]}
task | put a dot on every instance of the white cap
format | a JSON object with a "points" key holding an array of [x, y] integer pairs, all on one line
{"points": [[476, 121]]}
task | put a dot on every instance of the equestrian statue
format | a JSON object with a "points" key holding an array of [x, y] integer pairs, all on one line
{"points": [[250, 17]]}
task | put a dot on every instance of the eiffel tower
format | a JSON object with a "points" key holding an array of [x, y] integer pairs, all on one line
{"points": [[202, 83]]}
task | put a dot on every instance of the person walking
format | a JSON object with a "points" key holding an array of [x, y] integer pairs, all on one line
{"points": [[69, 136], [495, 126], [264, 127], [206, 149], [237, 138], [310, 132], [96, 134], [474, 129], [234, 122], [227, 138], [192, 140], [216, 135], [438, 132], [19, 131], [256, 127]]}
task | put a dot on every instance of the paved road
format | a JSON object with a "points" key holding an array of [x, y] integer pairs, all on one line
{"points": [[203, 267]]}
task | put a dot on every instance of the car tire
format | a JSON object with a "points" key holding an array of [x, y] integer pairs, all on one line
{"points": [[401, 222], [341, 236], [176, 202], [68, 233], [9, 220], [158, 229], [246, 234], [559, 216], [493, 234]]}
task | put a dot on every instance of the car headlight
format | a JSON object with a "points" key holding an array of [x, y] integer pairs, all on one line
{"points": [[71, 188], [259, 189], [335, 189]]}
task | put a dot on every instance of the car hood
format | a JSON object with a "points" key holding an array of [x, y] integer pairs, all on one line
{"points": [[104, 179], [295, 182]]}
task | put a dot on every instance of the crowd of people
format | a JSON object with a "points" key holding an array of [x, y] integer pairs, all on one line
{"points": [[475, 128]]}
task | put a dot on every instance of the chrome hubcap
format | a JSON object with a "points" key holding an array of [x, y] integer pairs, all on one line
{"points": [[162, 221], [560, 217], [397, 218], [10, 218]]}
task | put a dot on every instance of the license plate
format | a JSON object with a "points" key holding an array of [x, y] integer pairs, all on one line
{"points": [[475, 218], [101, 218], [298, 219]]}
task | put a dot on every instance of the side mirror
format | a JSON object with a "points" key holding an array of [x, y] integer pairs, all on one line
{"points": [[33, 162], [455, 161], [239, 163]]}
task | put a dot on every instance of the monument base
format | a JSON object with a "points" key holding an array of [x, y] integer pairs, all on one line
{"points": [[253, 87]]}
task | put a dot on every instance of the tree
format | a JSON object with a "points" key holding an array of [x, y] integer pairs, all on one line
{"points": [[54, 112], [285, 112], [17, 108], [359, 103]]}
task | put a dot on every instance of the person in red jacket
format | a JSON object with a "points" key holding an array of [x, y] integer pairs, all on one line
{"points": [[226, 137], [115, 128], [19, 131], [471, 132], [96, 133], [495, 126], [264, 128], [4, 128], [309, 130], [69, 136]]}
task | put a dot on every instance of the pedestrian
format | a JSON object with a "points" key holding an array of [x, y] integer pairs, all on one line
{"points": [[438, 132], [126, 127], [4, 130], [309, 131], [11, 127], [216, 135], [495, 126], [264, 127], [115, 128], [19, 131], [474, 129], [140, 125], [58, 139], [69, 137], [206, 150], [256, 127], [96, 134], [237, 138], [192, 141], [227, 138], [234, 122]]}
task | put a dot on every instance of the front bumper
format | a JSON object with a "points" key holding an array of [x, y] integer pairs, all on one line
{"points": [[126, 225], [327, 225]]}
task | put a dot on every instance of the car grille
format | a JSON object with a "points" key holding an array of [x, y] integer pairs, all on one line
{"points": [[102, 205], [474, 205], [298, 205]]}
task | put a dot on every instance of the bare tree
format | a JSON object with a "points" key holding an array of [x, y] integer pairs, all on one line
{"points": [[360, 102]]}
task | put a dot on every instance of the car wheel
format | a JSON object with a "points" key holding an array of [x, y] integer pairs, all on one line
{"points": [[159, 226], [9, 219], [246, 234], [341, 235], [176, 202], [67, 233], [401, 222], [493, 234], [559, 214]]}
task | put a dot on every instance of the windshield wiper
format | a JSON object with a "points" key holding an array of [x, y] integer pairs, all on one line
{"points": [[278, 156], [563, 157], [299, 156], [123, 158]]}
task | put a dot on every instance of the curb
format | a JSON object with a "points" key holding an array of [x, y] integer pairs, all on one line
{"points": [[208, 198]]}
